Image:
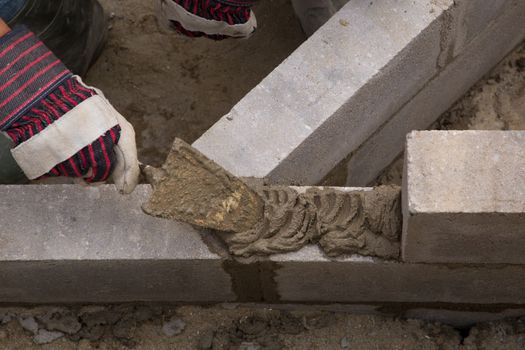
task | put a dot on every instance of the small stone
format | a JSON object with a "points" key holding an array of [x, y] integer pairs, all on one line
{"points": [[60, 320], [175, 326], [95, 321], [29, 324], [96, 318], [206, 340], [125, 328], [45, 337], [345, 343], [6, 316], [92, 333]]}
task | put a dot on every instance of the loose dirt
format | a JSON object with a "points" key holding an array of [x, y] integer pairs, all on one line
{"points": [[229, 326], [233, 327], [171, 86]]}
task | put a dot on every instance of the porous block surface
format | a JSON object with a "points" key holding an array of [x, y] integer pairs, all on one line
{"points": [[73, 244], [464, 197], [331, 94], [477, 34], [66, 243]]}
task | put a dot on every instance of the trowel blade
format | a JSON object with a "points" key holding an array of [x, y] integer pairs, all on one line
{"points": [[192, 188]]}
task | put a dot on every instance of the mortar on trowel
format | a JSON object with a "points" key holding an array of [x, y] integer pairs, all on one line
{"points": [[191, 188]]}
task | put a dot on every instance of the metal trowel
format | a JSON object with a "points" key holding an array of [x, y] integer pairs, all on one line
{"points": [[191, 188]]}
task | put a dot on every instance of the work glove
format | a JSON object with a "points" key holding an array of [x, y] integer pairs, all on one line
{"points": [[58, 125], [215, 19]]}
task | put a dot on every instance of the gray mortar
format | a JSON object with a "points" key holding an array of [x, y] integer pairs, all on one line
{"points": [[360, 222], [258, 220], [288, 225], [366, 223]]}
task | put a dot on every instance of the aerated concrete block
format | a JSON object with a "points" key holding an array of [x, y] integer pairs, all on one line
{"points": [[68, 244], [309, 277], [479, 56], [475, 16], [349, 94], [464, 197], [72, 244], [332, 93]]}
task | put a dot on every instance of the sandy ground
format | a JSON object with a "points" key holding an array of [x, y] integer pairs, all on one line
{"points": [[497, 102], [171, 86], [230, 327]]}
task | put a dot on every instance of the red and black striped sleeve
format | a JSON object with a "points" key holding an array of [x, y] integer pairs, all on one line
{"points": [[28, 71]]}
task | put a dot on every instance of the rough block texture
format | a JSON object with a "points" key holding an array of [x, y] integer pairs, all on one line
{"points": [[73, 244], [374, 72], [464, 197], [307, 276], [331, 94], [472, 17], [500, 35]]}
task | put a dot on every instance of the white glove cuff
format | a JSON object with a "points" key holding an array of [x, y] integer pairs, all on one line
{"points": [[64, 138]]}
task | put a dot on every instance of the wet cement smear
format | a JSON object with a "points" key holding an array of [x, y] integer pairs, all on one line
{"points": [[262, 220], [191, 188], [366, 223], [288, 224]]}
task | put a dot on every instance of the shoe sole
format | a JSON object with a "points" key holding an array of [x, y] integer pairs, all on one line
{"points": [[169, 11]]}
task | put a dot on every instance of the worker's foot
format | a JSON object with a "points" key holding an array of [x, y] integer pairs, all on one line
{"points": [[75, 30], [215, 19]]}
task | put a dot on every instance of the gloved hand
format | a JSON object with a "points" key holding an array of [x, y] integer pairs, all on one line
{"points": [[215, 19], [60, 126]]}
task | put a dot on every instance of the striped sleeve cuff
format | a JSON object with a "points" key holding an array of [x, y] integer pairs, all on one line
{"points": [[28, 72]]}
